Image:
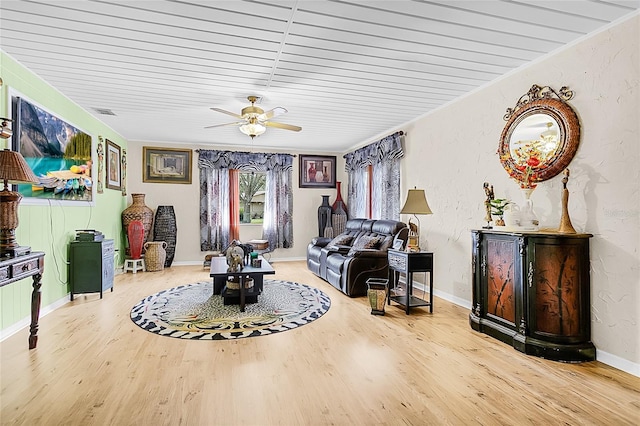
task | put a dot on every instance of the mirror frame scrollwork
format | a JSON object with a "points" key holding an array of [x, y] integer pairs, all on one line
{"points": [[541, 100]]}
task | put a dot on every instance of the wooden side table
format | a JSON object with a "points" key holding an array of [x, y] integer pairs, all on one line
{"points": [[402, 262], [21, 267]]}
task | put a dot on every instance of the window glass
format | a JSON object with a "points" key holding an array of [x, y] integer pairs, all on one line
{"points": [[252, 196]]}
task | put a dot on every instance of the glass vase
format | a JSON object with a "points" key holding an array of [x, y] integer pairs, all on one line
{"points": [[528, 218]]}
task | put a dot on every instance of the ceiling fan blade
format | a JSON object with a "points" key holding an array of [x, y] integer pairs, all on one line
{"points": [[233, 114], [236, 123], [272, 113], [282, 126]]}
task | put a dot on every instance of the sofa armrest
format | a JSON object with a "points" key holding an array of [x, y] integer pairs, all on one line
{"points": [[320, 241], [372, 253]]}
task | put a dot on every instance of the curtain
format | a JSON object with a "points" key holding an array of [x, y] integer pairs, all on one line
{"points": [[384, 156], [215, 207]]}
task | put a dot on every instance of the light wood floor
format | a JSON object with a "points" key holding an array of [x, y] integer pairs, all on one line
{"points": [[93, 366]]}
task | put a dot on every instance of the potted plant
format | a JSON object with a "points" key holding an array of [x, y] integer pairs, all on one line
{"points": [[497, 209]]}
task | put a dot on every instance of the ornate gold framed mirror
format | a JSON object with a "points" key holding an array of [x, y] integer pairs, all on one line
{"points": [[541, 135]]}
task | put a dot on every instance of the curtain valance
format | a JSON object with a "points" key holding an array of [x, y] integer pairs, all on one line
{"points": [[386, 149], [214, 159]]}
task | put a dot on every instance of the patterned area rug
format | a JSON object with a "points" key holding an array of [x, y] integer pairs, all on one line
{"points": [[192, 311]]}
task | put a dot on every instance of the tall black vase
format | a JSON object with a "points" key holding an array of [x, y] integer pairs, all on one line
{"points": [[165, 229], [324, 215]]}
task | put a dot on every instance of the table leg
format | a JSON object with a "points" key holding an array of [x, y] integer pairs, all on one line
{"points": [[431, 290], [36, 297], [241, 293], [409, 276]]}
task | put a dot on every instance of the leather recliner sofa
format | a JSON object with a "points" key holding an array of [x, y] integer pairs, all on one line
{"points": [[359, 253]]}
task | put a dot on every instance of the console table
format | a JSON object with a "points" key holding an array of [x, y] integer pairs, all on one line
{"points": [[21, 267], [408, 263], [532, 290]]}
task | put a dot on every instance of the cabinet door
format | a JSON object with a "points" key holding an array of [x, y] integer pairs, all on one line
{"points": [[500, 270], [559, 289]]}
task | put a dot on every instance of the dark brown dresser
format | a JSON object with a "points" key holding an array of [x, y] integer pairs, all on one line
{"points": [[532, 290]]}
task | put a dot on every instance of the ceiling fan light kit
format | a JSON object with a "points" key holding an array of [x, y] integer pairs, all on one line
{"points": [[255, 120]]}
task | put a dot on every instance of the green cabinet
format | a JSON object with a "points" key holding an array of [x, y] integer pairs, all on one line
{"points": [[91, 266]]}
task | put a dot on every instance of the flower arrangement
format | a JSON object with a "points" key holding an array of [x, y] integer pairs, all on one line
{"points": [[529, 156]]}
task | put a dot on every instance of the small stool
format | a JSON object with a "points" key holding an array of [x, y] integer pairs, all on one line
{"points": [[134, 265]]}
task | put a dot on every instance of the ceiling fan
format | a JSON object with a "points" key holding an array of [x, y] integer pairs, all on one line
{"points": [[255, 120]]}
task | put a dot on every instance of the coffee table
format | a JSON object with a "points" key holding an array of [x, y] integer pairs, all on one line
{"points": [[220, 275]]}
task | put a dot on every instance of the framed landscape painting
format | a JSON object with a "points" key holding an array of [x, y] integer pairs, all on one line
{"points": [[58, 153], [166, 165], [317, 171]]}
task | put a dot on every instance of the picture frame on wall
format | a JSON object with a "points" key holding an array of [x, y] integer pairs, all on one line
{"points": [[317, 171], [58, 152], [114, 171], [166, 165]]}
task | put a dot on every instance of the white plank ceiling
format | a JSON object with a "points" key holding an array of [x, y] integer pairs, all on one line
{"points": [[347, 71]]}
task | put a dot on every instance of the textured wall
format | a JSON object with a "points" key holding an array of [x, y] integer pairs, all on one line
{"points": [[452, 151]]}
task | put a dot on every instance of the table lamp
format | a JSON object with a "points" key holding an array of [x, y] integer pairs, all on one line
{"points": [[13, 170], [415, 204]]}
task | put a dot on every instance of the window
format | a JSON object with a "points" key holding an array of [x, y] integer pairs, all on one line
{"points": [[251, 193]]}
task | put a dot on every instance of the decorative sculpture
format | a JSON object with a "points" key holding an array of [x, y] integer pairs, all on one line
{"points": [[488, 190], [565, 222]]}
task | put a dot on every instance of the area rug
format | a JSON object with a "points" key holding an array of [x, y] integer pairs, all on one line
{"points": [[193, 312]]}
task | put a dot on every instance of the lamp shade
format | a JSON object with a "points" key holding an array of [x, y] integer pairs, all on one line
{"points": [[416, 203], [14, 169]]}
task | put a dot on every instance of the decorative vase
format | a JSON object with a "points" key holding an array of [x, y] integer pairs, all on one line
{"points": [[377, 294], [324, 215], [528, 218], [165, 229], [155, 255], [135, 234], [512, 215], [138, 211], [339, 215]]}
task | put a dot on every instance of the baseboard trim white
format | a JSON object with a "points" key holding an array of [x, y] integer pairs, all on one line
{"points": [[26, 322]]}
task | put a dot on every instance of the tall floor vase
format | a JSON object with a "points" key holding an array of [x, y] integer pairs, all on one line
{"points": [[339, 215], [165, 229], [324, 216], [138, 210]]}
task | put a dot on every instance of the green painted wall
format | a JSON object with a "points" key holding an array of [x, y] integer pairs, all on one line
{"points": [[50, 228]]}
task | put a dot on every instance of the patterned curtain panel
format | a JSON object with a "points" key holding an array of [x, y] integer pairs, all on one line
{"points": [[214, 196], [278, 206], [384, 156], [214, 209], [357, 193]]}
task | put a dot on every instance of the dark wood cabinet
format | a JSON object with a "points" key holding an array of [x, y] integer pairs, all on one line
{"points": [[91, 266], [532, 290]]}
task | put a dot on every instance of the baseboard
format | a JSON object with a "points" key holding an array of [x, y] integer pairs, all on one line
{"points": [[26, 322], [602, 356], [273, 259]]}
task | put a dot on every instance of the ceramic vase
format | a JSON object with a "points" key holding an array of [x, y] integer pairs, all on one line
{"points": [[138, 210], [324, 216], [165, 229], [155, 255], [339, 215], [528, 218], [135, 234]]}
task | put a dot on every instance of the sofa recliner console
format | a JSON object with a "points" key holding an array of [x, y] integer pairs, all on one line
{"points": [[359, 253]]}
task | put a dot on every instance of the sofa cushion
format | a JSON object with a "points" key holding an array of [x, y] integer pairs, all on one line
{"points": [[341, 240], [365, 242]]}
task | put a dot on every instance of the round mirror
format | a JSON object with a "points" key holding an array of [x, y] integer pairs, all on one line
{"points": [[539, 141]]}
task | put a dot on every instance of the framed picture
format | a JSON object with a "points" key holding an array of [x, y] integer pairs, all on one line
{"points": [[58, 153], [114, 173], [166, 165], [317, 171]]}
